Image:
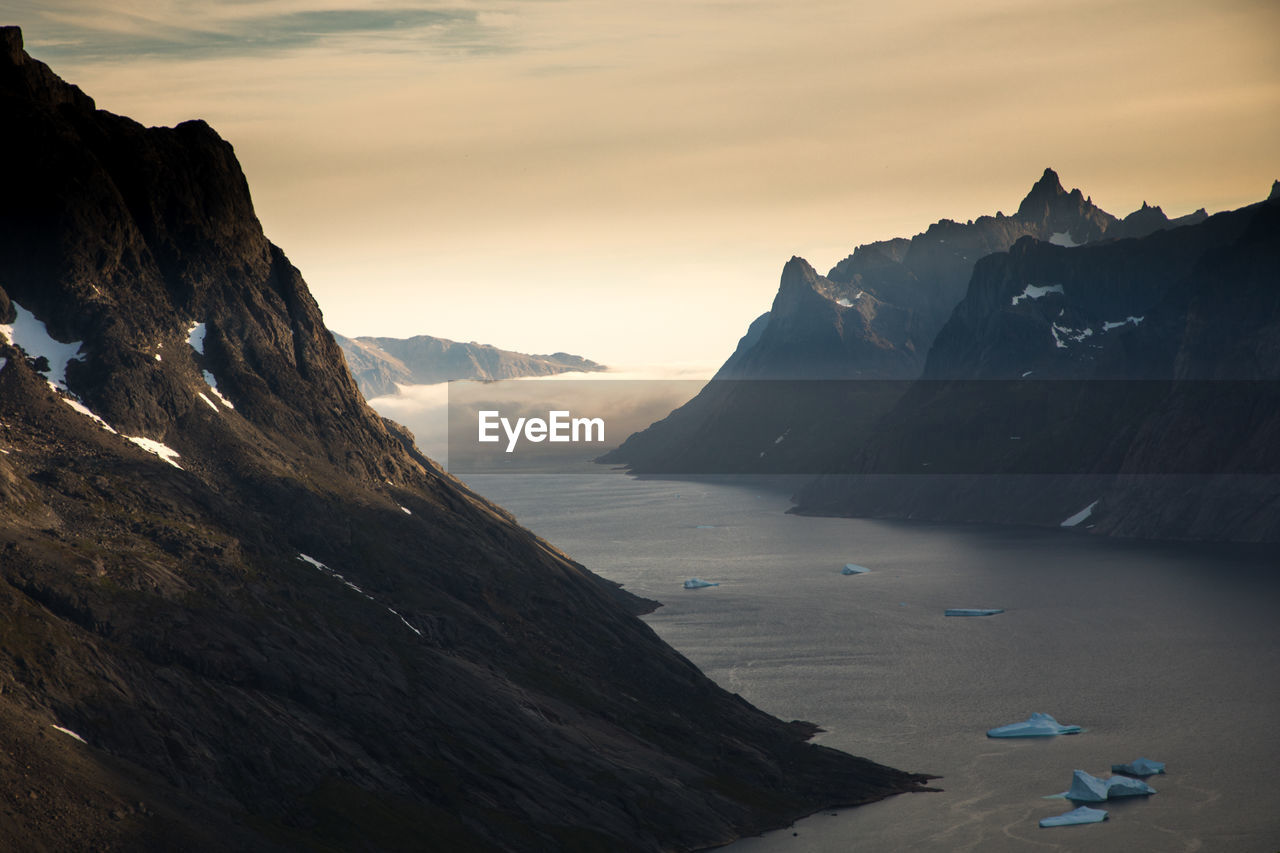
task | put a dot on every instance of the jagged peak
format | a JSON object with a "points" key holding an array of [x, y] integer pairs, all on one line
{"points": [[1275, 191], [1049, 184], [31, 78], [11, 52], [798, 267], [10, 45], [1043, 191]]}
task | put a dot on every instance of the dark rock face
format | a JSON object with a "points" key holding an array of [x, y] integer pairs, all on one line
{"points": [[445, 681], [873, 316], [379, 364], [1170, 346]]}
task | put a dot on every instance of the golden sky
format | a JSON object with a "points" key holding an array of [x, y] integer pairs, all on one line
{"points": [[625, 180]]}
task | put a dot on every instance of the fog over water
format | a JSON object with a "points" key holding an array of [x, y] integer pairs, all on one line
{"points": [[1160, 650]]}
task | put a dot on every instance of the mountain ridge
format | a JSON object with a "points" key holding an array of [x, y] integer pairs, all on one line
{"points": [[379, 364], [1150, 363], [270, 619], [873, 316]]}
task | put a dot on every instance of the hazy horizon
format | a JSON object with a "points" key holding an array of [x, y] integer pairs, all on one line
{"points": [[626, 183]]}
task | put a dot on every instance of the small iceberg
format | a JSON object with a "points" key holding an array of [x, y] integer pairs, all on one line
{"points": [[1037, 725], [1139, 767], [1086, 789], [972, 611], [1126, 786], [698, 583], [1090, 789], [854, 569], [1084, 814]]}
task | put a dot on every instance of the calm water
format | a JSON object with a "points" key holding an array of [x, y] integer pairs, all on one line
{"points": [[1167, 652]]}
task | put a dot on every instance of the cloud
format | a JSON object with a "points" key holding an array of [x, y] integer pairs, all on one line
{"points": [[183, 31]]}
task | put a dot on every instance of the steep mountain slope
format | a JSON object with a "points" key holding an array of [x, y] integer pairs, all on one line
{"points": [[272, 621], [1139, 377], [379, 364], [873, 316]]}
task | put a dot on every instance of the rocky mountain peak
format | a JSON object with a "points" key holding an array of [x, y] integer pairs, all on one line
{"points": [[1275, 191], [11, 52], [797, 269], [1043, 192], [203, 532], [32, 77]]}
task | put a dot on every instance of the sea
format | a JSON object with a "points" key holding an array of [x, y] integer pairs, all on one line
{"points": [[1165, 651]]}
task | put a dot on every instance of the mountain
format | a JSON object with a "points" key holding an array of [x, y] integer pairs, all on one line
{"points": [[874, 315], [269, 621], [1139, 378], [379, 364]]}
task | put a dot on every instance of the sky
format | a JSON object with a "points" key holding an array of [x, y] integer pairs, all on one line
{"points": [[626, 180]]}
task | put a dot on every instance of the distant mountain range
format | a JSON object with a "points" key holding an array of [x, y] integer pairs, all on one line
{"points": [[241, 611], [874, 370], [1139, 379], [380, 364], [873, 316]]}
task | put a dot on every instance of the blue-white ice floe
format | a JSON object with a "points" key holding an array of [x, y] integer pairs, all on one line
{"points": [[1139, 767], [1086, 788], [1127, 786], [973, 611], [698, 583], [1084, 814], [854, 569], [1037, 725], [1090, 789]]}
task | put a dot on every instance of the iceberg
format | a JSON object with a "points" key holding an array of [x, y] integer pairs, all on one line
{"points": [[1084, 814], [972, 611], [1087, 789], [1090, 789], [1126, 786], [698, 583], [1037, 725], [1139, 767], [854, 569]]}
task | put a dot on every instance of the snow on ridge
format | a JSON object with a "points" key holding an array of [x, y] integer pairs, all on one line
{"points": [[334, 574], [195, 337], [33, 338], [1063, 238], [1035, 291], [844, 302], [67, 731], [405, 621], [84, 410], [207, 401], [1079, 516], [168, 454], [212, 382], [1109, 325], [331, 573], [405, 509], [1071, 335]]}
